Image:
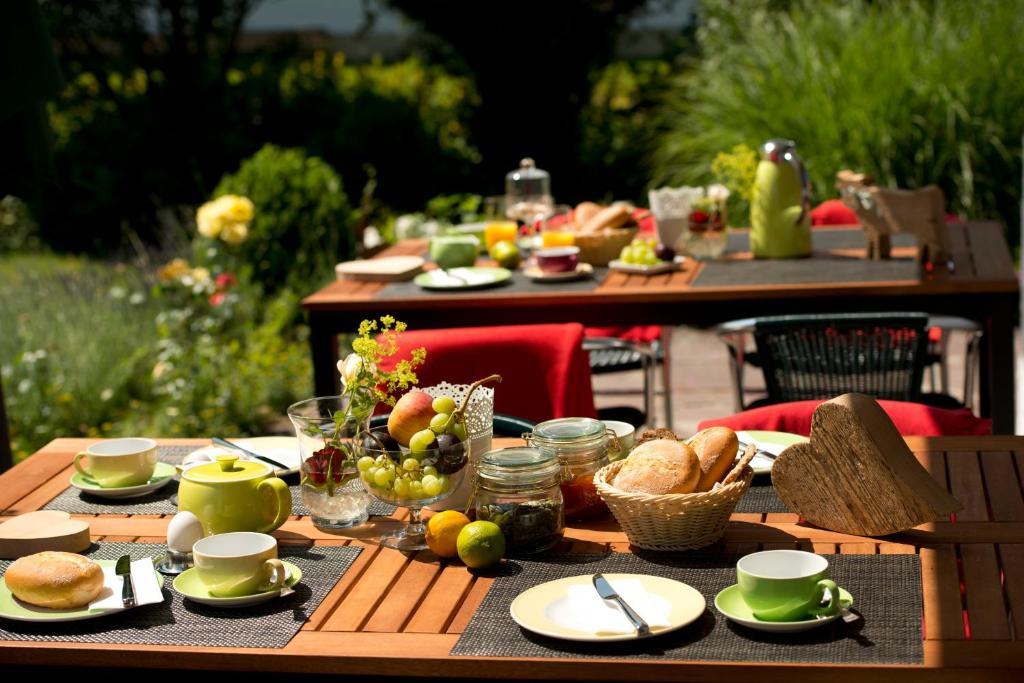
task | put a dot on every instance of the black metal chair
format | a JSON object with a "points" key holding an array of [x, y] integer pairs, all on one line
{"points": [[820, 356], [6, 457], [504, 425], [610, 355]]}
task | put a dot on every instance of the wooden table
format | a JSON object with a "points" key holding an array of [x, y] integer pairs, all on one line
{"points": [[982, 287], [392, 615]]}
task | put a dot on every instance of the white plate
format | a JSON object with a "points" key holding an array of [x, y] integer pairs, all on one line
{"points": [[537, 275], [284, 449], [663, 267], [537, 609], [769, 442]]}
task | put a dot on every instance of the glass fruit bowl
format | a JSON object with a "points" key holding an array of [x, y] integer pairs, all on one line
{"points": [[410, 478]]}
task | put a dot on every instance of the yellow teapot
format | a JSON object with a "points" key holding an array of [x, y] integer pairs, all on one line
{"points": [[235, 495]]}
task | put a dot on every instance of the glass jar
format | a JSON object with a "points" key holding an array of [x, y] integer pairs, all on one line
{"points": [[581, 446], [517, 489]]}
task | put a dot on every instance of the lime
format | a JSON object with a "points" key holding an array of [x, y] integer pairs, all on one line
{"points": [[443, 531], [480, 544], [506, 254]]}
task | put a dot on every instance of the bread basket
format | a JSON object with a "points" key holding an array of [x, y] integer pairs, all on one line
{"points": [[601, 247], [674, 521]]}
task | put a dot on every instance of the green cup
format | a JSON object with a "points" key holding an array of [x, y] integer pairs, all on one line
{"points": [[238, 563], [786, 585], [454, 251]]}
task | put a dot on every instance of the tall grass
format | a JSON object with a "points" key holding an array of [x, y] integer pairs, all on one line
{"points": [[913, 92]]}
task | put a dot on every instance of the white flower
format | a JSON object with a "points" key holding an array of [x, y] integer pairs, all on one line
{"points": [[718, 192]]}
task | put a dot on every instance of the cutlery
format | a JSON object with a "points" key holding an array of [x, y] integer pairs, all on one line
{"points": [[605, 590], [227, 444], [124, 570], [770, 456]]}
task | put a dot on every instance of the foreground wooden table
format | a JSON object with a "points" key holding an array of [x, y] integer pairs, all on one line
{"points": [[982, 287], [392, 615]]}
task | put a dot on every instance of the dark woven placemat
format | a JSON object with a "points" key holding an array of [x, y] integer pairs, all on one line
{"points": [[177, 621], [518, 284], [162, 501], [823, 239], [886, 591], [761, 497]]}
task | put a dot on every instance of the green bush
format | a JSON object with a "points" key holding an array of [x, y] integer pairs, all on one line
{"points": [[303, 221], [914, 92], [18, 230]]}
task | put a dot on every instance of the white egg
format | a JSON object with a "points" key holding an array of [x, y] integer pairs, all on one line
{"points": [[183, 532]]}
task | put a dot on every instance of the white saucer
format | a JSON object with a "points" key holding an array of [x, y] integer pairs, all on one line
{"points": [[537, 275]]}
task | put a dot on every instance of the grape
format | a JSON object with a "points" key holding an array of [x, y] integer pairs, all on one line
{"points": [[421, 440], [428, 480], [444, 482], [370, 473], [443, 404], [410, 464], [430, 470], [364, 463], [665, 253], [415, 489], [459, 431], [402, 488], [439, 422], [431, 488], [384, 476]]}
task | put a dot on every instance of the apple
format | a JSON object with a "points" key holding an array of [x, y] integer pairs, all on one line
{"points": [[411, 414]]}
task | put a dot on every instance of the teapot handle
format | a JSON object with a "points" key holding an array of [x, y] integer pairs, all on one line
{"points": [[283, 495]]}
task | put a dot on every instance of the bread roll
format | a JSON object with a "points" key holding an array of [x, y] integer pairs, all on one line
{"points": [[55, 580], [716, 447], [658, 467], [584, 212], [659, 433], [610, 217]]}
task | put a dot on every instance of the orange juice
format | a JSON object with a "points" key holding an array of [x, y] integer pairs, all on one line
{"points": [[500, 231], [558, 238]]}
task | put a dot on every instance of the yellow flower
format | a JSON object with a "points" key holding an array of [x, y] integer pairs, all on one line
{"points": [[235, 233], [200, 275], [236, 209], [175, 270], [209, 220]]}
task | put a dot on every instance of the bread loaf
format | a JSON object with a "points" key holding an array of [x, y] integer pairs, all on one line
{"points": [[716, 448], [659, 467], [584, 212], [55, 580], [608, 218]]}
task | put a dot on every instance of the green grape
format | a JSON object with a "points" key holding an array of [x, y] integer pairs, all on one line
{"points": [[431, 470], [444, 482], [415, 489], [384, 476], [428, 480], [370, 473], [459, 431], [401, 487], [439, 422], [421, 440], [432, 488], [364, 463], [443, 404], [410, 464]]}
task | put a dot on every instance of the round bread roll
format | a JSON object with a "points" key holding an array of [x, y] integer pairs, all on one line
{"points": [[608, 218], [658, 467], [55, 580], [716, 447], [585, 211]]}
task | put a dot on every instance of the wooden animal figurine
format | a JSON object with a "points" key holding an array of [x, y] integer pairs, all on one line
{"points": [[857, 475], [883, 211]]}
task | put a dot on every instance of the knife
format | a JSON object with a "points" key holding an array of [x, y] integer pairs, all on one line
{"points": [[605, 590], [124, 570], [760, 451], [227, 444]]}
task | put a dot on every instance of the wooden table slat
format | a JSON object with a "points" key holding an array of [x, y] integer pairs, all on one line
{"points": [[1004, 491], [967, 486], [986, 607]]}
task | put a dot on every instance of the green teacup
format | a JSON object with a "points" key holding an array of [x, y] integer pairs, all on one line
{"points": [[117, 463], [786, 585], [239, 563], [454, 251]]}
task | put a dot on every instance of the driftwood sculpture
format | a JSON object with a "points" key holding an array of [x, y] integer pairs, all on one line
{"points": [[883, 211]]}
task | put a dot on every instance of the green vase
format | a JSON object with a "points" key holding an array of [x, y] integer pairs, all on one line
{"points": [[780, 218]]}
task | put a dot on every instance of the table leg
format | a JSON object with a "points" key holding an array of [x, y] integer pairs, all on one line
{"points": [[323, 343], [997, 373]]}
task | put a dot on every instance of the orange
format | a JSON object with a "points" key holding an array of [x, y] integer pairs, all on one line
{"points": [[443, 532]]}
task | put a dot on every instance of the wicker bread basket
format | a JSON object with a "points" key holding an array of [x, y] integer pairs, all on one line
{"points": [[675, 521], [601, 247]]}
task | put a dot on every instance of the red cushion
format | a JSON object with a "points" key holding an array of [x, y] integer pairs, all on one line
{"points": [[911, 419], [641, 333], [545, 371], [833, 212]]}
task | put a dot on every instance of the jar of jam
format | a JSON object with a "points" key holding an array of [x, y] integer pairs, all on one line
{"points": [[581, 446], [517, 489]]}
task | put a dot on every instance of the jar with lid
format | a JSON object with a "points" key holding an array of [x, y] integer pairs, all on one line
{"points": [[528, 193], [581, 446], [518, 489]]}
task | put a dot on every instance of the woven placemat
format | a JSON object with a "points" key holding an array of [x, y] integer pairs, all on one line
{"points": [[177, 621], [886, 591], [761, 497], [518, 284], [824, 239], [162, 501]]}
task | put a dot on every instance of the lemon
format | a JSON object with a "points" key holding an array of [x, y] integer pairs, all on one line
{"points": [[480, 544], [506, 254], [443, 531]]}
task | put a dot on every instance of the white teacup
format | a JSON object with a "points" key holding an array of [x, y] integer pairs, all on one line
{"points": [[117, 463], [625, 437], [238, 563]]}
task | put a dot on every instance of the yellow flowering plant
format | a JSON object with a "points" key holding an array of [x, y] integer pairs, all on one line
{"points": [[226, 218]]}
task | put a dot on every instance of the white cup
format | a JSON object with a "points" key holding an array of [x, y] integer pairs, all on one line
{"points": [[625, 435], [118, 463]]}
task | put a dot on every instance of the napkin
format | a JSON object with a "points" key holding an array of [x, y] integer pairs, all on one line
{"points": [[147, 588], [585, 610]]}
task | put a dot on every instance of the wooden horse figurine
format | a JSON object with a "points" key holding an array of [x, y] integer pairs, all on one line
{"points": [[884, 211]]}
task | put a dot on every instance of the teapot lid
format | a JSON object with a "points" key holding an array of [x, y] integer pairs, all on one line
{"points": [[227, 468]]}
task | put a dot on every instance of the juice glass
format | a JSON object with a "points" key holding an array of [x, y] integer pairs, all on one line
{"points": [[558, 229], [500, 231]]}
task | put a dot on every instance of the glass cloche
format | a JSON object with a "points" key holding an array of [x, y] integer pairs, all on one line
{"points": [[528, 193]]}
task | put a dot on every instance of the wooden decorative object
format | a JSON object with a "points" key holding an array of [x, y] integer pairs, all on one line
{"points": [[34, 532], [857, 475], [884, 211], [387, 269]]}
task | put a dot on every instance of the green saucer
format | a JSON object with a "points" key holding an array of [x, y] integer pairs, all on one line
{"points": [[188, 584], [162, 474], [730, 603], [462, 278]]}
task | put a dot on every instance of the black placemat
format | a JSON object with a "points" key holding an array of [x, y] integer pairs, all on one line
{"points": [[161, 501], [518, 284], [177, 621], [823, 239], [886, 591], [761, 497]]}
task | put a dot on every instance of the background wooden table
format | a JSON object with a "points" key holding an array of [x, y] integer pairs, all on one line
{"points": [[982, 287], [395, 615]]}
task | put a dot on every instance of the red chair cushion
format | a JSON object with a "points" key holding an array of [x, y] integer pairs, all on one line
{"points": [[833, 212], [641, 333], [911, 419], [545, 371]]}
